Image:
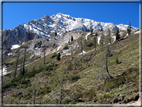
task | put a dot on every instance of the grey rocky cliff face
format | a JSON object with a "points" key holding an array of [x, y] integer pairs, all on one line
{"points": [[48, 25], [56, 43]]}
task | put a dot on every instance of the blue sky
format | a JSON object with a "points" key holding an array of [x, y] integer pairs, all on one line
{"points": [[117, 13]]}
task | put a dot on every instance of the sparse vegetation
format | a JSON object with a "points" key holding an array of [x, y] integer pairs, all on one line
{"points": [[54, 55], [74, 79], [66, 47], [58, 57], [71, 38], [90, 44], [129, 29], [117, 61], [117, 35]]}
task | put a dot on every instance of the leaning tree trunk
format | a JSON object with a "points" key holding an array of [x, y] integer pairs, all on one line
{"points": [[44, 54], [61, 93], [94, 45], [16, 65], [61, 90], [34, 96], [81, 46], [106, 63], [23, 71]]}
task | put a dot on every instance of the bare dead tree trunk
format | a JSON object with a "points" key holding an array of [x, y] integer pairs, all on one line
{"points": [[109, 36], [95, 37], [44, 54], [61, 90], [54, 68], [73, 96], [106, 62], [81, 46], [23, 71], [16, 65], [107, 53], [102, 42], [34, 96]]}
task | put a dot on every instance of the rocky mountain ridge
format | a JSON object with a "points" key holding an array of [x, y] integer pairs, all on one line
{"points": [[48, 25]]}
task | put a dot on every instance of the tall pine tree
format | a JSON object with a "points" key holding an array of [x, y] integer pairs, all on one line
{"points": [[117, 35], [129, 29], [71, 38], [58, 57]]}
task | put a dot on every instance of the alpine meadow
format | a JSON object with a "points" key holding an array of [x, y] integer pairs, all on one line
{"points": [[61, 59]]}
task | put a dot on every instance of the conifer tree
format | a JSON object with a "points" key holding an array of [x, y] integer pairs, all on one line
{"points": [[81, 43], [55, 33], [58, 57], [16, 65], [95, 41], [71, 38], [129, 29], [91, 30], [44, 53], [24, 59], [117, 35], [107, 53]]}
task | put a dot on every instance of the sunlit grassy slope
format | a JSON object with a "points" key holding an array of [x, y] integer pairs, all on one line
{"points": [[83, 81]]}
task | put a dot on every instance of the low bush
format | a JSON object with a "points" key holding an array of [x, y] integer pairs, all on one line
{"points": [[75, 77], [39, 70], [27, 97], [66, 47], [66, 101], [25, 82], [88, 95], [7, 64], [57, 100], [80, 95], [106, 96], [8, 75], [45, 91], [117, 61], [20, 96], [48, 73], [16, 80], [54, 55], [9, 85], [29, 74], [90, 44], [113, 83], [129, 71], [128, 75]]}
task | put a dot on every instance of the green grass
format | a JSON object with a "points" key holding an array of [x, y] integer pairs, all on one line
{"points": [[90, 44], [82, 76], [66, 47]]}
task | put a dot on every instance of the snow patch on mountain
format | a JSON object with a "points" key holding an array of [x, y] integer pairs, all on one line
{"points": [[9, 54], [137, 32], [126, 35], [61, 23], [84, 52], [114, 38], [124, 27], [87, 35], [3, 70], [99, 38], [15, 46]]}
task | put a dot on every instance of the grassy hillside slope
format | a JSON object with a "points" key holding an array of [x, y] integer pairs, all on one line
{"points": [[81, 80]]}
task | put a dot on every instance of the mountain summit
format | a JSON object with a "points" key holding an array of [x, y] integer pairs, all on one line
{"points": [[48, 25]]}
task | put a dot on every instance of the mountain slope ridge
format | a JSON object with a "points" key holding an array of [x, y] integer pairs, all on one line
{"points": [[48, 25]]}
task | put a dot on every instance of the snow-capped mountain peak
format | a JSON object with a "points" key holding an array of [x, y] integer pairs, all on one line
{"points": [[60, 23]]}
